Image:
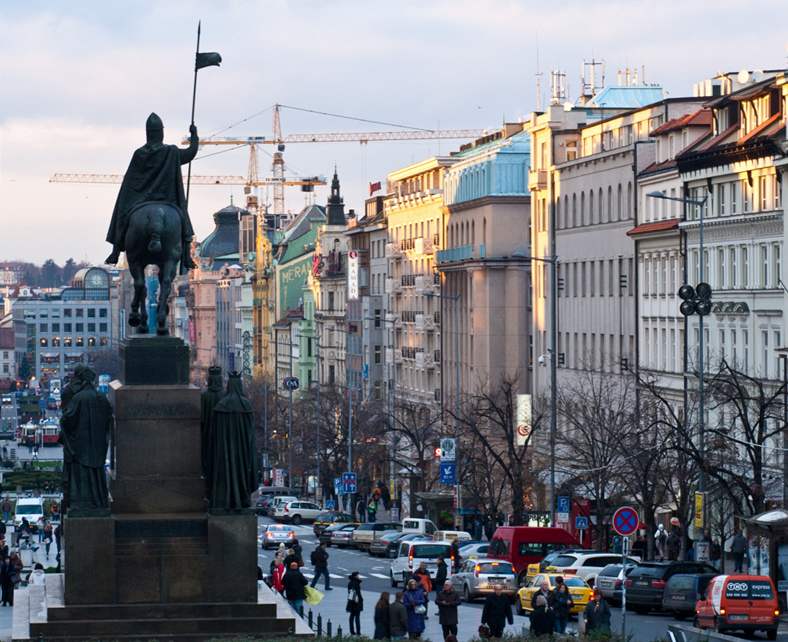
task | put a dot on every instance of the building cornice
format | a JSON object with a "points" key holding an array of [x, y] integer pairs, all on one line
{"points": [[489, 200]]}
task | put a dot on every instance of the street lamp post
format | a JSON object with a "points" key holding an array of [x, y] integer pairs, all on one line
{"points": [[696, 300]]}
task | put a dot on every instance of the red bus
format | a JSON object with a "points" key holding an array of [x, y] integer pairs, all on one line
{"points": [[524, 545]]}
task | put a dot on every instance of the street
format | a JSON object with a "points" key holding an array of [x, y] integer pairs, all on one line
{"points": [[375, 579]]}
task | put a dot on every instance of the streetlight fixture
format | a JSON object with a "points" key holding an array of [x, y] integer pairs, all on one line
{"points": [[696, 300]]}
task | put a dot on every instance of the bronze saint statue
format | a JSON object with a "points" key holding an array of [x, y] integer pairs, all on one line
{"points": [[208, 400], [150, 221], [232, 450], [86, 424]]}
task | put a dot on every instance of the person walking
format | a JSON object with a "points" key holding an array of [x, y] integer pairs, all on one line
{"points": [[416, 604], [447, 601], [382, 618], [456, 558], [422, 576], [739, 549], [277, 576], [398, 618], [7, 571], [319, 559], [441, 574], [497, 612], [58, 536], [355, 603], [48, 535], [294, 582], [562, 604], [6, 508], [597, 615]]}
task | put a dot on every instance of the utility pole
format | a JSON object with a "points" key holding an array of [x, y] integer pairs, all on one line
{"points": [[349, 442]]}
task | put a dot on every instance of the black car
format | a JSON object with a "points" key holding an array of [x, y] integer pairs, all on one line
{"points": [[646, 582], [683, 591], [325, 534]]}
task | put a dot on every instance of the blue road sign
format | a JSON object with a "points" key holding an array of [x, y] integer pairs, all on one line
{"points": [[349, 483], [625, 521], [581, 522], [330, 504], [337, 485], [448, 473], [562, 504]]}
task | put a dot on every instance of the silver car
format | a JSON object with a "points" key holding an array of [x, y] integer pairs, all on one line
{"points": [[480, 577], [275, 534]]}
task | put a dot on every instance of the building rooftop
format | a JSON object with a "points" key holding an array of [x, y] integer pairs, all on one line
{"points": [[627, 97]]}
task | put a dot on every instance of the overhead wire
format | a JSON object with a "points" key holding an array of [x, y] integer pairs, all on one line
{"points": [[356, 118]]}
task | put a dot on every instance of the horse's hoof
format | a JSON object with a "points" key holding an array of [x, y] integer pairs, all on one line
{"points": [[134, 321]]}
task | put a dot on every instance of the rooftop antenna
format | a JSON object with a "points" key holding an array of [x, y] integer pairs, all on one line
{"points": [[539, 105]]}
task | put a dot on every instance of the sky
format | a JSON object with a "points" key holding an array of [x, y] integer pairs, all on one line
{"points": [[78, 80]]}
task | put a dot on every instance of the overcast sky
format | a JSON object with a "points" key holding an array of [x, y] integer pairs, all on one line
{"points": [[78, 80]]}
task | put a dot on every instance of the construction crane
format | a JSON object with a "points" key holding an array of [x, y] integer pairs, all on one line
{"points": [[62, 177]]}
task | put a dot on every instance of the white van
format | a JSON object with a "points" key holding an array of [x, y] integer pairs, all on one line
{"points": [[418, 525], [30, 507], [450, 536], [411, 554]]}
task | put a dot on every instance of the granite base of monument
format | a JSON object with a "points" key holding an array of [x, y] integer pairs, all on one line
{"points": [[159, 566]]}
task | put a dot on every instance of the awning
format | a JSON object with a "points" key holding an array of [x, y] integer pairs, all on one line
{"points": [[770, 519]]}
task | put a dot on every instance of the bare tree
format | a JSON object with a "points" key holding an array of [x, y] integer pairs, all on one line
{"points": [[489, 416]]}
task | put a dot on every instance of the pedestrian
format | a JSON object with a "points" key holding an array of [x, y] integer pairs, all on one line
{"points": [[422, 576], [48, 537], [660, 543], [37, 576], [293, 583], [281, 553], [497, 612], [739, 549], [416, 604], [58, 535], [7, 582], [382, 618], [456, 558], [447, 601], [355, 603], [674, 541], [6, 508], [320, 562], [715, 552], [441, 573], [295, 546], [562, 604], [290, 557], [277, 576], [372, 511], [477, 528], [3, 548], [541, 622], [398, 618], [597, 615]]}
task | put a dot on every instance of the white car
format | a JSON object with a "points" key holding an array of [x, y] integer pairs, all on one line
{"points": [[297, 512], [411, 554], [279, 502], [585, 565]]}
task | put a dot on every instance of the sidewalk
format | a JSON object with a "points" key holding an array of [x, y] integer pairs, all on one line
{"points": [[333, 608]]}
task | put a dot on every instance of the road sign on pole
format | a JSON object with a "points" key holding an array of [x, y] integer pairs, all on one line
{"points": [[448, 473], [448, 449], [626, 521], [349, 483], [581, 522], [562, 509]]}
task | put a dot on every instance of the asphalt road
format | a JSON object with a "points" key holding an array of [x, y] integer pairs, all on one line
{"points": [[374, 572]]}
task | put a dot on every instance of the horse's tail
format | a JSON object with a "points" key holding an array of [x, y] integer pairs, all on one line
{"points": [[154, 228]]}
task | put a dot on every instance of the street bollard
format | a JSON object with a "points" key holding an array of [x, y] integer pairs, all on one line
{"points": [[301, 610], [319, 625], [328, 629], [309, 618], [339, 632]]}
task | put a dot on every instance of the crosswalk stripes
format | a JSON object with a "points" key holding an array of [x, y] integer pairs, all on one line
{"points": [[380, 575]]}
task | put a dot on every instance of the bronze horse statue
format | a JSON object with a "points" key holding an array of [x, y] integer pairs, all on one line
{"points": [[153, 237], [151, 220]]}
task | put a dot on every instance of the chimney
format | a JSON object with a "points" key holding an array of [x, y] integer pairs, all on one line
{"points": [[619, 78], [635, 76], [628, 77]]}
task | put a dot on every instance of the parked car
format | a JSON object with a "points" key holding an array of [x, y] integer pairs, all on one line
{"points": [[380, 545], [278, 501], [262, 504], [646, 582], [609, 582], [524, 545], [342, 535], [586, 565], [412, 553], [578, 588], [739, 603], [479, 577], [395, 541], [474, 551], [327, 518], [450, 536], [275, 534], [297, 512], [682, 592], [326, 536], [418, 525], [366, 533]]}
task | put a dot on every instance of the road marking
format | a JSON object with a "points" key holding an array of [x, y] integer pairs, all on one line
{"points": [[333, 576], [380, 575]]}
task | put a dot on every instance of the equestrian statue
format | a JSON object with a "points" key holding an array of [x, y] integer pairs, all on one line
{"points": [[151, 220]]}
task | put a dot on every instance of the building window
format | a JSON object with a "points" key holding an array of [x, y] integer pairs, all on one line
{"points": [[331, 376], [79, 312], [66, 327], [745, 267], [67, 342], [722, 188], [732, 280], [43, 342], [55, 327], [43, 327], [735, 193], [765, 348], [55, 342], [763, 188], [746, 194], [721, 268], [103, 313], [377, 354], [80, 342], [102, 327], [91, 313], [776, 266], [103, 341], [66, 312], [763, 280], [91, 327], [80, 327], [91, 342]]}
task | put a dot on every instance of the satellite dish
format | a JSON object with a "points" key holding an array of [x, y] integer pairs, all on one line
{"points": [[568, 106], [743, 77], [758, 75]]}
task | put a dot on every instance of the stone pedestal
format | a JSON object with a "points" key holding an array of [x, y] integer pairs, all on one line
{"points": [[152, 360], [159, 566]]}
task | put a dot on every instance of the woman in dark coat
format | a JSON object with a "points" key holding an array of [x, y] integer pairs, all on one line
{"points": [[7, 571], [541, 622], [416, 604], [497, 612], [382, 618], [355, 603], [597, 614]]}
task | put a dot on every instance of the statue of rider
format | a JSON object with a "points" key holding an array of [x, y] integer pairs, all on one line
{"points": [[154, 175]]}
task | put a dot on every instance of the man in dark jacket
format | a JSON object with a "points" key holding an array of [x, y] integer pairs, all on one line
{"points": [[320, 562], [441, 573], [497, 612], [294, 583], [447, 602], [398, 618], [739, 549]]}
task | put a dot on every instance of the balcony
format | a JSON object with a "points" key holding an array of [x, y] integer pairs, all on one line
{"points": [[393, 250], [424, 323], [537, 179], [425, 285], [393, 286], [460, 254]]}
